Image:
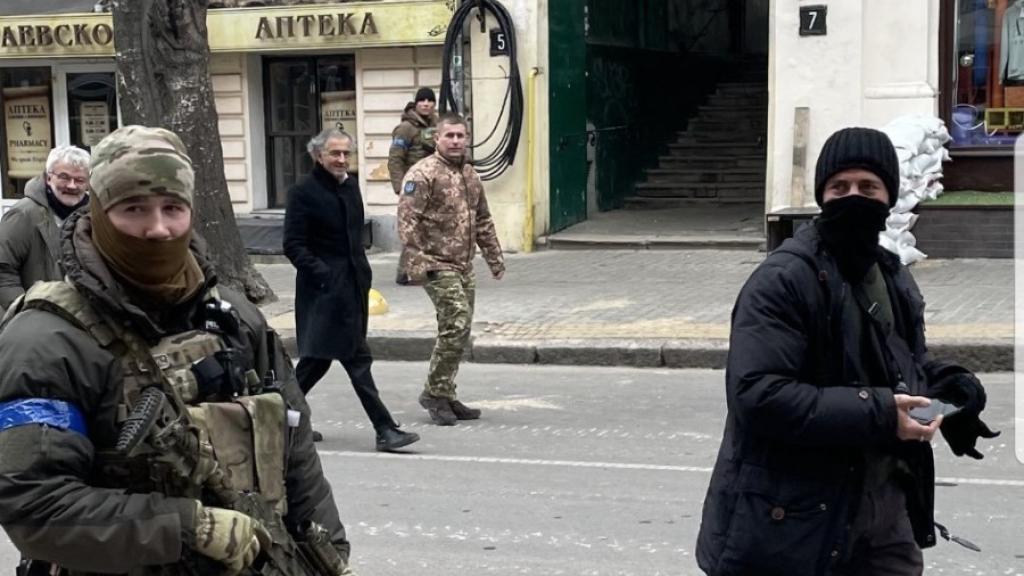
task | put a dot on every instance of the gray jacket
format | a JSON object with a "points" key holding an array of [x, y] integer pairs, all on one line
{"points": [[1011, 57], [29, 244]]}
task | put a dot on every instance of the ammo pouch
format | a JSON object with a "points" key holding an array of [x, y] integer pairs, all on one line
{"points": [[248, 439]]}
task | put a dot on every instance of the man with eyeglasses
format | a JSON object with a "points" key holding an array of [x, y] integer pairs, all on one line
{"points": [[30, 230]]}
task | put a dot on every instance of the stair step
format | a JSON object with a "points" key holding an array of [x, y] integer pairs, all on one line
{"points": [[733, 103], [735, 138], [721, 191], [732, 111], [729, 148], [744, 124], [752, 99], [759, 92], [724, 177], [712, 162], [742, 85], [692, 171], [663, 202], [723, 115], [669, 182], [749, 198]]}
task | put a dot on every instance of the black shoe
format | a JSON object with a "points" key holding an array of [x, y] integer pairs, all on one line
{"points": [[463, 412], [402, 280], [439, 409], [317, 437], [389, 439]]}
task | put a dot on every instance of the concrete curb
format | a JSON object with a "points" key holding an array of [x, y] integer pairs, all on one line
{"points": [[979, 356]]}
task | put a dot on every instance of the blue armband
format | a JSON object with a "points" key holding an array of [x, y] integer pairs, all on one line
{"points": [[54, 413], [400, 143]]}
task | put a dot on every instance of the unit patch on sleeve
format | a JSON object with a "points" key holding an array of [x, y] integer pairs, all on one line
{"points": [[410, 188], [400, 143]]}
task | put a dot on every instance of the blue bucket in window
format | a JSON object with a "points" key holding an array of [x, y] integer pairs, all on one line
{"points": [[968, 124]]}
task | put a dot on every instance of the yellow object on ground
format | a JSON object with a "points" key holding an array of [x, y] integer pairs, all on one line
{"points": [[378, 305]]}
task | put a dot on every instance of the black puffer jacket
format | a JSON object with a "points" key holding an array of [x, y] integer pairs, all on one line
{"points": [[789, 471]]}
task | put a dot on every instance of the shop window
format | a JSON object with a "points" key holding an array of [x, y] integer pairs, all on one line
{"points": [[27, 127], [92, 107], [303, 96], [988, 87], [337, 79]]}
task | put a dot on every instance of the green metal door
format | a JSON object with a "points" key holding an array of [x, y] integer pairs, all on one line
{"points": [[568, 115]]}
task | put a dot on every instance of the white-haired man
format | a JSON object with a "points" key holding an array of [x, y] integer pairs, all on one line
{"points": [[30, 230]]}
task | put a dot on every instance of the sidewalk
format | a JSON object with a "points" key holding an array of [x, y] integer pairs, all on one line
{"points": [[648, 309]]}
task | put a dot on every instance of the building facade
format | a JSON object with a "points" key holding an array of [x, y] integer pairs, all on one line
{"points": [[279, 73], [608, 85]]}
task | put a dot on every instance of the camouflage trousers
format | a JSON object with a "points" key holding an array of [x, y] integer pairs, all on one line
{"points": [[453, 295]]}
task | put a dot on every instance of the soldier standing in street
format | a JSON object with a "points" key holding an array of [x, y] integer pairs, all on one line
{"points": [[30, 230], [150, 422], [412, 141], [442, 217], [323, 239]]}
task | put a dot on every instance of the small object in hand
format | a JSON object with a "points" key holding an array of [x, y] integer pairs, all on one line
{"points": [[927, 414]]}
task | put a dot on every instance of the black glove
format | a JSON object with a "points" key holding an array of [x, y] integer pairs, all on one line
{"points": [[962, 430]]}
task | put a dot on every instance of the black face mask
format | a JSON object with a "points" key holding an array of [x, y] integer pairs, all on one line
{"points": [[849, 228]]}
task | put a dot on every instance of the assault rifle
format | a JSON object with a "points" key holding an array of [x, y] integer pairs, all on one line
{"points": [[158, 428]]}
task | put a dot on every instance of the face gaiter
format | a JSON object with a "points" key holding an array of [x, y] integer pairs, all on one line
{"points": [[164, 271], [61, 209], [849, 227]]}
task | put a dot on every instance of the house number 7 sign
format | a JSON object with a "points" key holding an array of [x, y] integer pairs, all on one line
{"points": [[812, 20]]}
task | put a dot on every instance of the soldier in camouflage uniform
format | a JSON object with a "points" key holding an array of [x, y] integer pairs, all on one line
{"points": [[442, 218], [150, 422], [412, 141]]}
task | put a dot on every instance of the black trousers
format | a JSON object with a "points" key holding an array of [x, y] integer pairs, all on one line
{"points": [[310, 370]]}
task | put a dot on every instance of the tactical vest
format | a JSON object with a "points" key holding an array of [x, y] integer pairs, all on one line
{"points": [[241, 442]]}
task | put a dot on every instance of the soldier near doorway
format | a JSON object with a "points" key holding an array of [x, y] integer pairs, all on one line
{"points": [[412, 140]]}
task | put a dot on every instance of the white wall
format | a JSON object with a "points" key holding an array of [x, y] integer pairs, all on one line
{"points": [[387, 80], [878, 61], [507, 194], [231, 97]]}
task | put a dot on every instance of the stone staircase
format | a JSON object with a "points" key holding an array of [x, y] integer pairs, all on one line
{"points": [[721, 156]]}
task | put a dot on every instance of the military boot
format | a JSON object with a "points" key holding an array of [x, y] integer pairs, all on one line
{"points": [[439, 409], [391, 438], [463, 412]]}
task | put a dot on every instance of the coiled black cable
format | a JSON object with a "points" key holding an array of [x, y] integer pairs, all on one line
{"points": [[498, 160]]}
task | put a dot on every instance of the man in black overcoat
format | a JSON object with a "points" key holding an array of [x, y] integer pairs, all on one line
{"points": [[323, 240], [822, 470]]}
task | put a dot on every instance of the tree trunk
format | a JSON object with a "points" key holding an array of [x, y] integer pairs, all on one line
{"points": [[163, 64]]}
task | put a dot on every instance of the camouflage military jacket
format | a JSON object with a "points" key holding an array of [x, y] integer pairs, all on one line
{"points": [[411, 141], [442, 218]]}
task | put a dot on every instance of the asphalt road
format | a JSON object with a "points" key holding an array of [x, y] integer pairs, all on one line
{"points": [[590, 471]]}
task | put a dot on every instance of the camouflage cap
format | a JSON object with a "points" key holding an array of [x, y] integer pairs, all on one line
{"points": [[140, 161]]}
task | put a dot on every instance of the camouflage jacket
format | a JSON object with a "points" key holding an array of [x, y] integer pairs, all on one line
{"points": [[411, 141], [443, 216]]}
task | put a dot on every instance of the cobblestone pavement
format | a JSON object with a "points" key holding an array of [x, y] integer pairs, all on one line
{"points": [[685, 294]]}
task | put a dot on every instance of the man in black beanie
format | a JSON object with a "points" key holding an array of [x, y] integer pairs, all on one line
{"points": [[411, 141], [822, 467]]}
